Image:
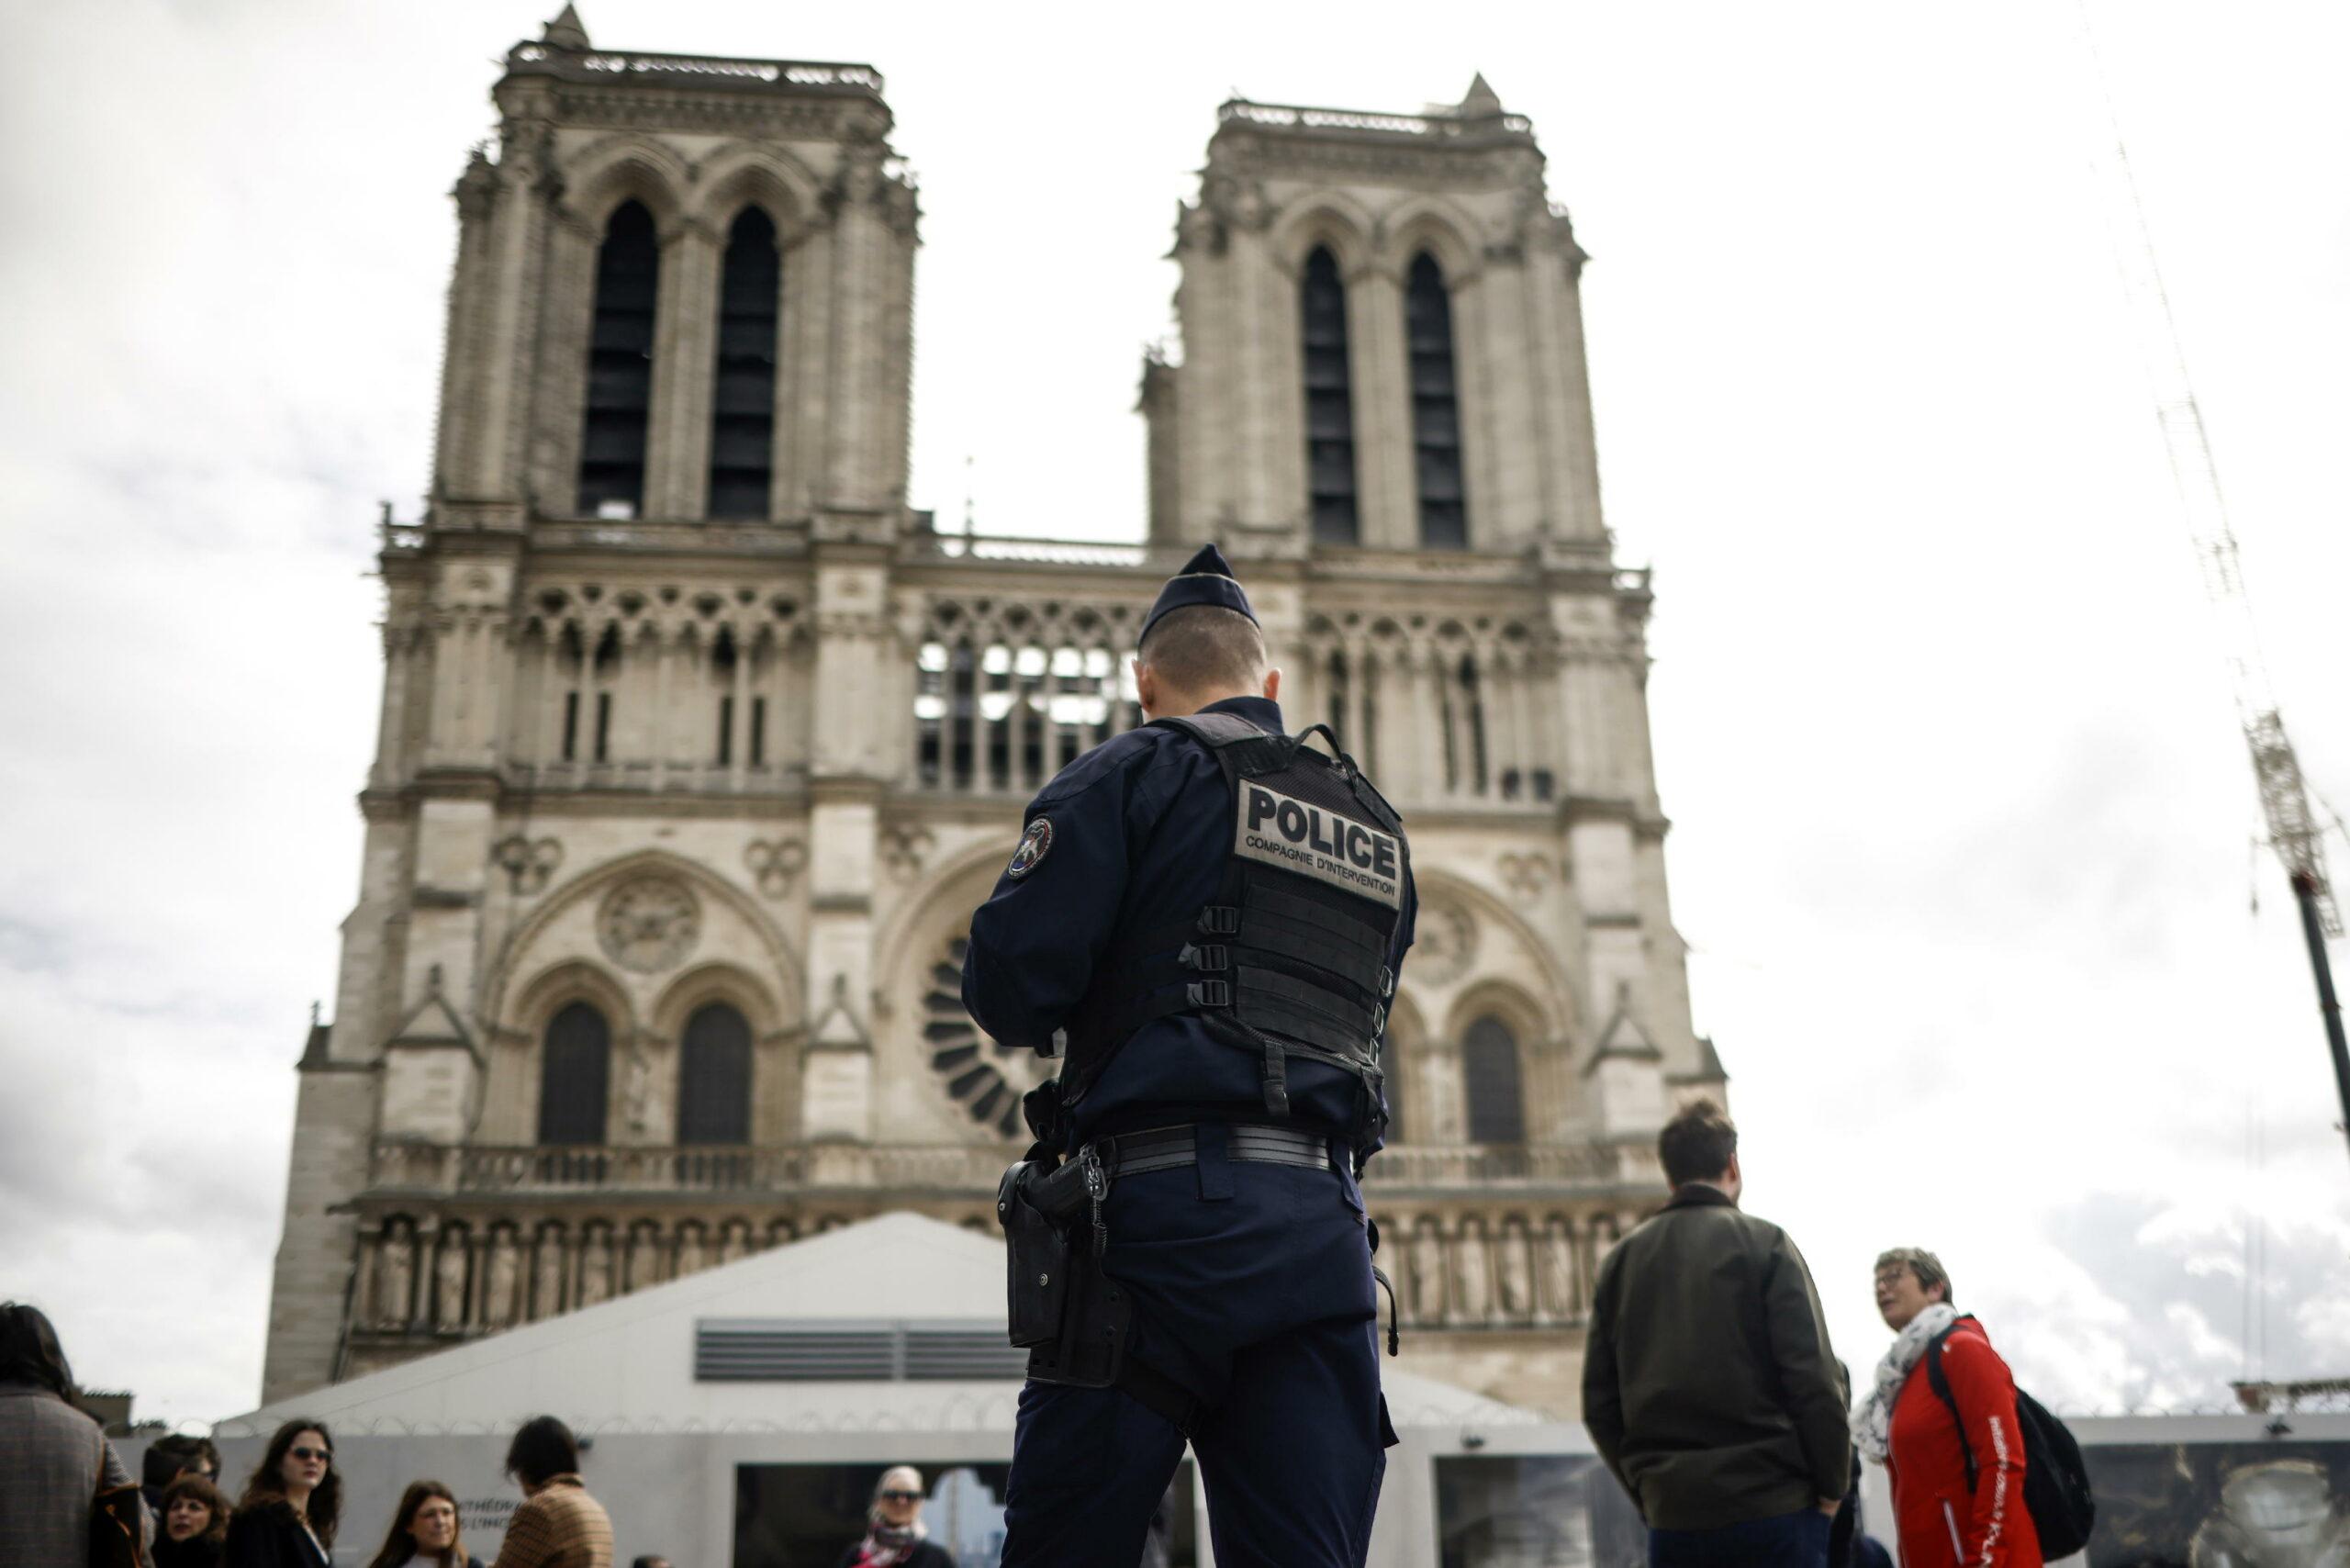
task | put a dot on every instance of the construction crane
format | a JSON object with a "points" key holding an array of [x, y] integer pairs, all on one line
{"points": [[2294, 830]]}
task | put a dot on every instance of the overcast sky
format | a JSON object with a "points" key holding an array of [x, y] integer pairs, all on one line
{"points": [[1963, 825]]}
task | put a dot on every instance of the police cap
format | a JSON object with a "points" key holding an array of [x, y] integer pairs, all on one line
{"points": [[1206, 579]]}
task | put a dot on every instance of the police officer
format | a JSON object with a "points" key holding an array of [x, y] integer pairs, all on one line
{"points": [[1208, 914]]}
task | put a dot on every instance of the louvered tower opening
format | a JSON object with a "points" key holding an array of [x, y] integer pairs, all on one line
{"points": [[742, 436], [619, 367], [1436, 408], [1329, 401]]}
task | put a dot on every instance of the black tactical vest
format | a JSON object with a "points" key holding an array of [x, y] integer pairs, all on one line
{"points": [[1292, 958]]}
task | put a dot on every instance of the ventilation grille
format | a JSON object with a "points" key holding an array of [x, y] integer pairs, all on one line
{"points": [[775, 1350]]}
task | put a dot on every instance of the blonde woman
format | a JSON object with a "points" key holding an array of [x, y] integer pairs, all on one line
{"points": [[894, 1535]]}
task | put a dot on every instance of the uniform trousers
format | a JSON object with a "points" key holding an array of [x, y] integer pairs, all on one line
{"points": [[1252, 1289]]}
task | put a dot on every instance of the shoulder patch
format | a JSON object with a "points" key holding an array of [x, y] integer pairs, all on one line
{"points": [[1034, 844]]}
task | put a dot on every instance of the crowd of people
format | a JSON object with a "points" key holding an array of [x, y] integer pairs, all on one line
{"points": [[1712, 1392], [1709, 1386], [60, 1481]]}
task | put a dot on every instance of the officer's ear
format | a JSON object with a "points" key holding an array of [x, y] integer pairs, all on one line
{"points": [[1146, 687], [1273, 685]]}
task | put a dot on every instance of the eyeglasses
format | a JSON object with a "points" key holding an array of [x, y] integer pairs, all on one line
{"points": [[312, 1453], [901, 1496]]}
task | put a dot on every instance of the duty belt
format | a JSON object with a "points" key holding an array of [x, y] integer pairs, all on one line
{"points": [[1164, 1149], [1062, 1194]]}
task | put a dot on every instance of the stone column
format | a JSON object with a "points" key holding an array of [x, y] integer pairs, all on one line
{"points": [[1383, 406], [685, 364], [526, 186]]}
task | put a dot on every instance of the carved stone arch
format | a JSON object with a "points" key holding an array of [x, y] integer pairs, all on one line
{"points": [[517, 1078], [595, 882], [762, 174], [954, 1075], [1495, 996], [556, 987], [720, 982], [1331, 219], [1557, 1007], [1435, 224], [624, 167], [1415, 1119], [941, 889]]}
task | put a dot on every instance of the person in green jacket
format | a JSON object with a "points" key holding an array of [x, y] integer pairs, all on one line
{"points": [[1708, 1383]]}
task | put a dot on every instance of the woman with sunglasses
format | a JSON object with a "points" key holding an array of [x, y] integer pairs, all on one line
{"points": [[894, 1534], [286, 1518]]}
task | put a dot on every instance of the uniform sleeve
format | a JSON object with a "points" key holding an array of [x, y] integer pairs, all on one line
{"points": [[1808, 1370], [1985, 1392], [1035, 941]]}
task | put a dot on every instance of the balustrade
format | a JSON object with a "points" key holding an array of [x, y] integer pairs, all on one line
{"points": [[766, 1170]]}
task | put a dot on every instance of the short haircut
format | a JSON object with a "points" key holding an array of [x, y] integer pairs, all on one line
{"points": [[1923, 1266], [1205, 647], [542, 1449], [175, 1453], [1698, 1143]]}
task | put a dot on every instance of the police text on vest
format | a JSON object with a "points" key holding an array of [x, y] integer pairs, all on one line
{"points": [[1317, 842]]}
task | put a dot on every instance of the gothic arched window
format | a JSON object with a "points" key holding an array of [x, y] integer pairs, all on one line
{"points": [[1436, 408], [714, 1077], [619, 367], [741, 430], [1489, 1068], [1329, 400], [575, 1076]]}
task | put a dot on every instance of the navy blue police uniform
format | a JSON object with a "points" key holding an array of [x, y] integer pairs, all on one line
{"points": [[1220, 1152]]}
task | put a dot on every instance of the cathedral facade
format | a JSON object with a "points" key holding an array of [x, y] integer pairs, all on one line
{"points": [[699, 744]]}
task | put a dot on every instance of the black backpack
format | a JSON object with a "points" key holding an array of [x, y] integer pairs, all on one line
{"points": [[2055, 1482]]}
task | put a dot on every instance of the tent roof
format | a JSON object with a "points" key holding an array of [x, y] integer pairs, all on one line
{"points": [[628, 1364]]}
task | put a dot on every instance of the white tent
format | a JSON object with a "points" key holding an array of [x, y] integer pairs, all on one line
{"points": [[649, 1377]]}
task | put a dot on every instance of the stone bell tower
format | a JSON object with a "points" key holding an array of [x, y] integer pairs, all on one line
{"points": [[628, 645], [1380, 401]]}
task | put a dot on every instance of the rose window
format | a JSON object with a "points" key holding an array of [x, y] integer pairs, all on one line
{"points": [[984, 1075]]}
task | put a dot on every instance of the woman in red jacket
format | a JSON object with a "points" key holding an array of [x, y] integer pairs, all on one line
{"points": [[1945, 1516]]}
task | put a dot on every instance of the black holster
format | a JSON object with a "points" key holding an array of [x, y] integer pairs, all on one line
{"points": [[1071, 1318]]}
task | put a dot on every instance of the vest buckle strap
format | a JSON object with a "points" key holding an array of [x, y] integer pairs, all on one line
{"points": [[1209, 993], [1208, 956], [1220, 920]]}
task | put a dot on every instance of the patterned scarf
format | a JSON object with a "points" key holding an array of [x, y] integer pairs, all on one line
{"points": [[1872, 1416], [886, 1547]]}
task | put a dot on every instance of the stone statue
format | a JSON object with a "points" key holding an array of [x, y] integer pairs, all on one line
{"points": [[1473, 1272], [643, 1255], [691, 1257], [449, 1280], [1557, 1275], [1427, 1273], [547, 1271], [636, 1090], [503, 1272], [394, 1275], [596, 1266], [1516, 1272]]}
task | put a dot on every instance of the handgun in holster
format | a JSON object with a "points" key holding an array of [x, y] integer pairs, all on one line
{"points": [[1070, 1317]]}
